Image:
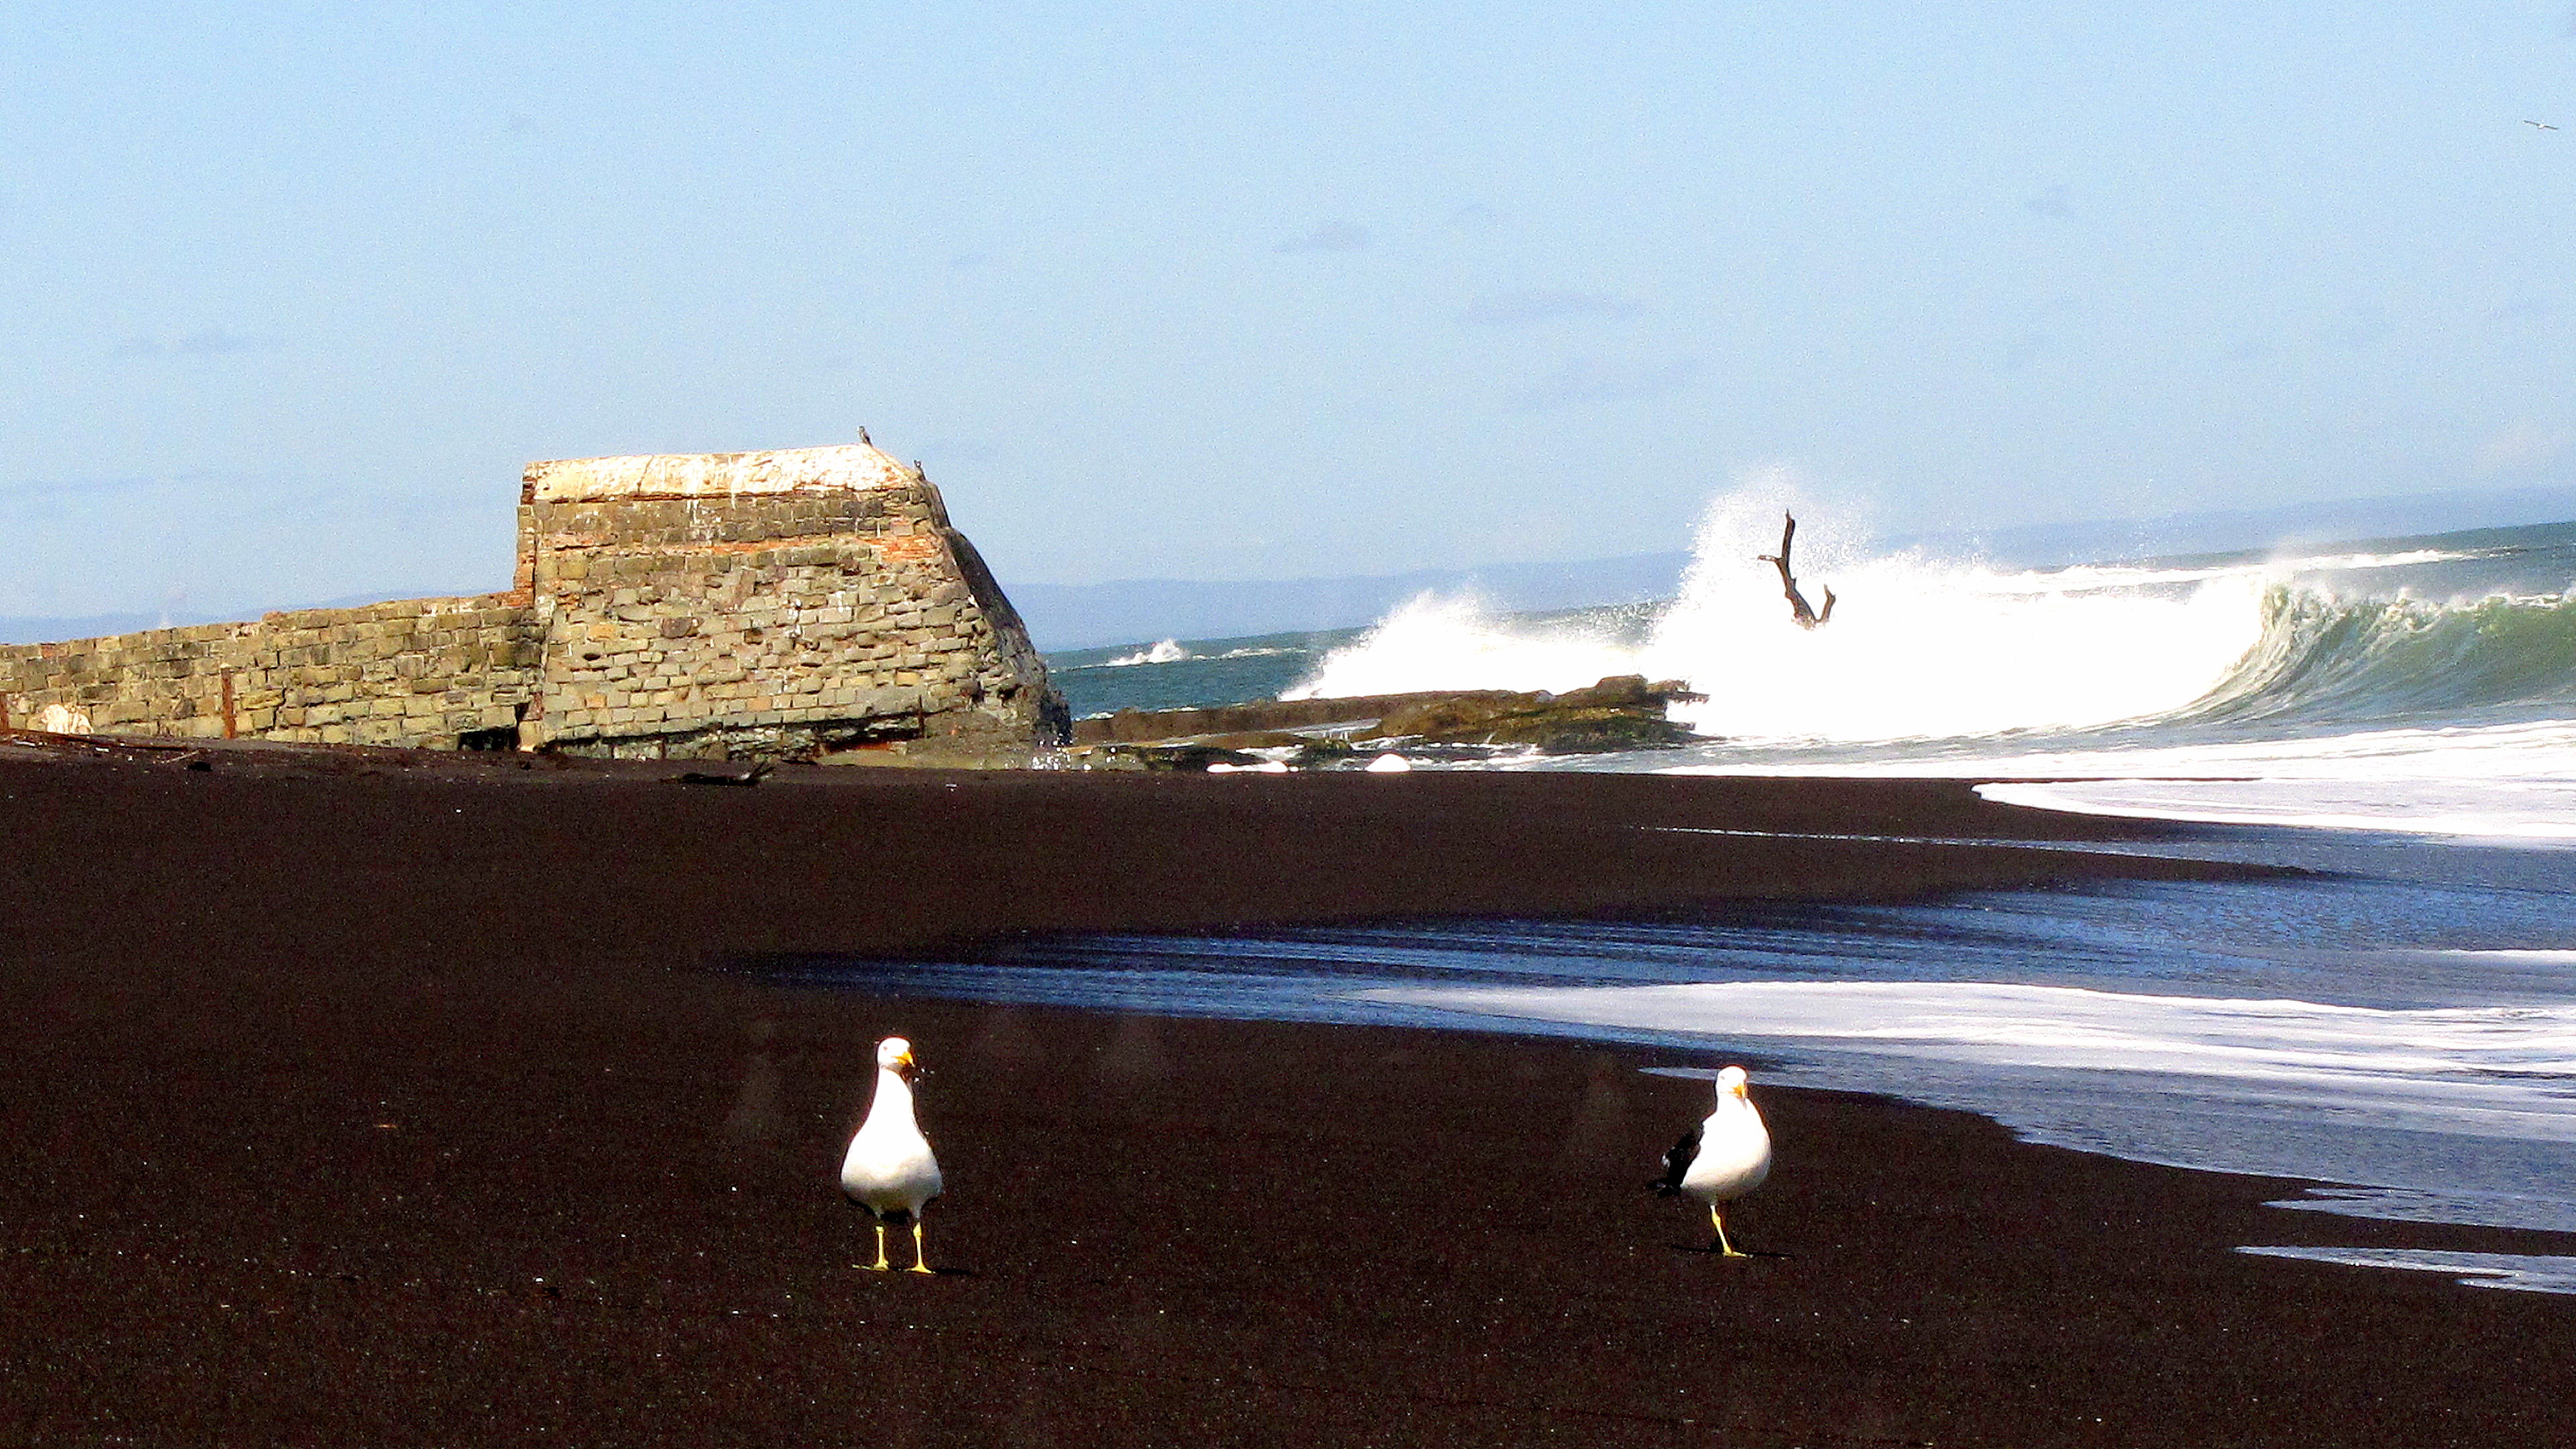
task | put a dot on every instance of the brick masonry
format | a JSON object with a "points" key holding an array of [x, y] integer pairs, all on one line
{"points": [[732, 605]]}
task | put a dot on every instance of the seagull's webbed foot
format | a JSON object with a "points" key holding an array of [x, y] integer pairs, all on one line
{"points": [[920, 1259], [880, 1265]]}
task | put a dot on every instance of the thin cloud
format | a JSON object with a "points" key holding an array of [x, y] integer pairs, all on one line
{"points": [[43, 490], [215, 342], [1517, 309], [46, 488], [2526, 444], [1474, 216], [1331, 236], [197, 484], [2020, 352], [1596, 380], [2359, 326], [209, 342], [2050, 202]]}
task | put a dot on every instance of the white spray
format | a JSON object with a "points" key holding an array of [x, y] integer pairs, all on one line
{"points": [[1917, 648]]}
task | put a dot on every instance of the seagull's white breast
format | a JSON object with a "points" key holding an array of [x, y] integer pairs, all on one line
{"points": [[1734, 1154], [889, 1166]]}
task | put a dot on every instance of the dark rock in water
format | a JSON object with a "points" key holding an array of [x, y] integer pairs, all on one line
{"points": [[1629, 691], [1622, 712], [1133, 726], [1256, 740], [1322, 751], [1171, 755], [1583, 732], [1450, 716]]}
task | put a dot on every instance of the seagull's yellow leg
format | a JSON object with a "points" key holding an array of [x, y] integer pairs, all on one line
{"points": [[879, 1265], [1725, 1249], [920, 1260]]}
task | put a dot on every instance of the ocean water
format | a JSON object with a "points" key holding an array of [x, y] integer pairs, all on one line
{"points": [[1168, 674], [2398, 716], [2408, 684]]}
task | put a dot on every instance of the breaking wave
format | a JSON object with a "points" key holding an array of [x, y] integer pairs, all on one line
{"points": [[1925, 648], [1165, 651], [2326, 658]]}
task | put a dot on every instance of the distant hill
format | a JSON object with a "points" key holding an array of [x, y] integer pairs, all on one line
{"points": [[2243, 530], [1080, 616], [40, 629], [1138, 611], [46, 629]]}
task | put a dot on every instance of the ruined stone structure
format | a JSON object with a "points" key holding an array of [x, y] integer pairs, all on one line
{"points": [[800, 602]]}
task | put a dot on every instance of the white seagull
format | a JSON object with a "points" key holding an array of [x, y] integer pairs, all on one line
{"points": [[1722, 1158], [889, 1169]]}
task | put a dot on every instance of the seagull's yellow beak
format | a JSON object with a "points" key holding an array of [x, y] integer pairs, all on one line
{"points": [[1738, 1092], [904, 1065]]}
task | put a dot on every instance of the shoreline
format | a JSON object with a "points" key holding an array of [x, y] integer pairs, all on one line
{"points": [[922, 861], [360, 1102]]}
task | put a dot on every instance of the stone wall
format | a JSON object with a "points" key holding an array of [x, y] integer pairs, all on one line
{"points": [[433, 673], [803, 601]]}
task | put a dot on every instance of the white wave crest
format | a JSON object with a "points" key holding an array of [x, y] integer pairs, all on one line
{"points": [[2522, 1272], [2492, 809], [1452, 642], [2492, 1071], [1916, 647], [2086, 578], [1168, 651]]}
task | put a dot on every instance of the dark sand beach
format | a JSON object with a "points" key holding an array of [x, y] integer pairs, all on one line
{"points": [[367, 1098]]}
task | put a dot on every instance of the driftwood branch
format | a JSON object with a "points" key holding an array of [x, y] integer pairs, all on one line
{"points": [[1807, 617]]}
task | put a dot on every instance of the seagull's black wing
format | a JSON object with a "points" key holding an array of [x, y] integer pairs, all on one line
{"points": [[1677, 1163]]}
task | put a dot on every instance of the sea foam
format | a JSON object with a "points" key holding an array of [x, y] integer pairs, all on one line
{"points": [[2485, 1071], [1921, 648], [2316, 690], [2458, 1114], [1916, 647], [2523, 1272], [1165, 651]]}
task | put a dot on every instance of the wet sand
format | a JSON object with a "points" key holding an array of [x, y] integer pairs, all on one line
{"points": [[367, 1098]]}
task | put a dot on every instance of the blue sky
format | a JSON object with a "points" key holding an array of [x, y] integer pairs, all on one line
{"points": [[1221, 291]]}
